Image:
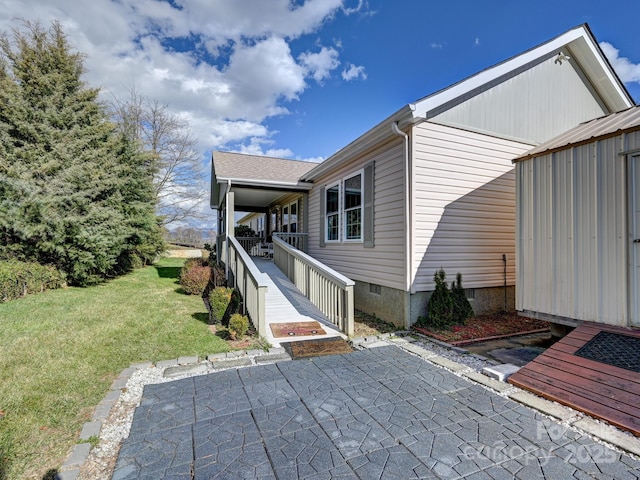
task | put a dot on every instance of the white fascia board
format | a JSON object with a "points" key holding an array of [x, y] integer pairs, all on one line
{"points": [[608, 71], [244, 182], [367, 140]]}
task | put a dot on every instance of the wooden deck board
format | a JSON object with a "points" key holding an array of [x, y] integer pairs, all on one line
{"points": [[597, 389]]}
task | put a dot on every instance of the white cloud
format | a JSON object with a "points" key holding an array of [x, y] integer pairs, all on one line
{"points": [[625, 68], [436, 46], [353, 72], [320, 64], [247, 75], [240, 72], [477, 41]]}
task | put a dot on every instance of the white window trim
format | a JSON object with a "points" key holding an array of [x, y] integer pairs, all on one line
{"points": [[326, 213], [342, 217], [344, 212]]}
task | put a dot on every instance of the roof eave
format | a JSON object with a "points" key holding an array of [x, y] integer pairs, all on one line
{"points": [[617, 95], [272, 184], [367, 140]]}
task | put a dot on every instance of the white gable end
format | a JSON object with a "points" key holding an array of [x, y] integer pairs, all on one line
{"points": [[533, 106]]}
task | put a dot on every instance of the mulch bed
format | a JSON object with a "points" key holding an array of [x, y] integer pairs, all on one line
{"points": [[486, 327]]}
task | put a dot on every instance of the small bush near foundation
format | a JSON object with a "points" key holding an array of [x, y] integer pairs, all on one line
{"points": [[194, 276], [238, 325], [462, 309], [440, 305], [18, 279], [446, 306]]}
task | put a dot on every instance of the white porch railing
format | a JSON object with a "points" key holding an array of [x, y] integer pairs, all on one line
{"points": [[296, 240], [251, 245], [327, 289], [249, 281]]}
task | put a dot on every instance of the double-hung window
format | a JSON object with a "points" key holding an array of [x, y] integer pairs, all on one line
{"points": [[344, 209], [353, 207], [332, 209]]}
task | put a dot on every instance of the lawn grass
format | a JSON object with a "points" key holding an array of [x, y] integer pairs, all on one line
{"points": [[61, 350]]}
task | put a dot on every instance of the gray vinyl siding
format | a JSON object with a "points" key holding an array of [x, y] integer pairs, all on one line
{"points": [[464, 206], [535, 105], [384, 263], [573, 232]]}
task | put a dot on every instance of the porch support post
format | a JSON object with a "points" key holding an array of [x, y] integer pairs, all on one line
{"points": [[267, 223], [230, 218], [304, 210]]}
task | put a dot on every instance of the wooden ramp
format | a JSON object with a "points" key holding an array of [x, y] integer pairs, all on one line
{"points": [[286, 304], [597, 389]]}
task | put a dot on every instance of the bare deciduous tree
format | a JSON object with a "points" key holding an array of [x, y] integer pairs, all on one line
{"points": [[179, 176]]}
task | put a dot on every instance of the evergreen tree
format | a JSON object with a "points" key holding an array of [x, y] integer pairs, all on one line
{"points": [[73, 192], [440, 305], [462, 309]]}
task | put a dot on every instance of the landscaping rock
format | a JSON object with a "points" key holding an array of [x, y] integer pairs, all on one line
{"points": [[272, 358], [501, 372], [187, 360], [239, 362], [90, 429], [189, 369], [167, 363]]}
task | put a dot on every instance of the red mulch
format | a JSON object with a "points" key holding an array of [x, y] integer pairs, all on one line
{"points": [[486, 327]]}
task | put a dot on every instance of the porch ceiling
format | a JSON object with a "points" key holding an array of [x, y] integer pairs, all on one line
{"points": [[250, 199]]}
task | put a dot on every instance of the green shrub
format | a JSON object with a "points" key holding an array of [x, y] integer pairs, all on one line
{"points": [[196, 261], [18, 279], [194, 276], [128, 261], [219, 300], [446, 307], [440, 305], [238, 325], [462, 309]]}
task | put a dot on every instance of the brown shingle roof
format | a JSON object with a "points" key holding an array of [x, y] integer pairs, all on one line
{"points": [[254, 167]]}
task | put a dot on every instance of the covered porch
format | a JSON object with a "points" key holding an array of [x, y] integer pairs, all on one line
{"points": [[278, 281]]}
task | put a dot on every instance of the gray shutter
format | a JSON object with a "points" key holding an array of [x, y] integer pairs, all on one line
{"points": [[367, 223], [322, 215]]}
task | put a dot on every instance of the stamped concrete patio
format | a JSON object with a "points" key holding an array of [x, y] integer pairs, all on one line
{"points": [[375, 413]]}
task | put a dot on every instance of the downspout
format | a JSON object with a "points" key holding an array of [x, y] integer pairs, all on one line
{"points": [[227, 187], [407, 208]]}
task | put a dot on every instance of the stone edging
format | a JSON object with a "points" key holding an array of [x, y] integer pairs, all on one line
{"points": [[177, 367]]}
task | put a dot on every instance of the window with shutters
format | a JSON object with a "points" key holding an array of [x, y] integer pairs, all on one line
{"points": [[344, 209]]}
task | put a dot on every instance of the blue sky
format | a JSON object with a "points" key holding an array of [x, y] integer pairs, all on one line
{"points": [[410, 49], [301, 79]]}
